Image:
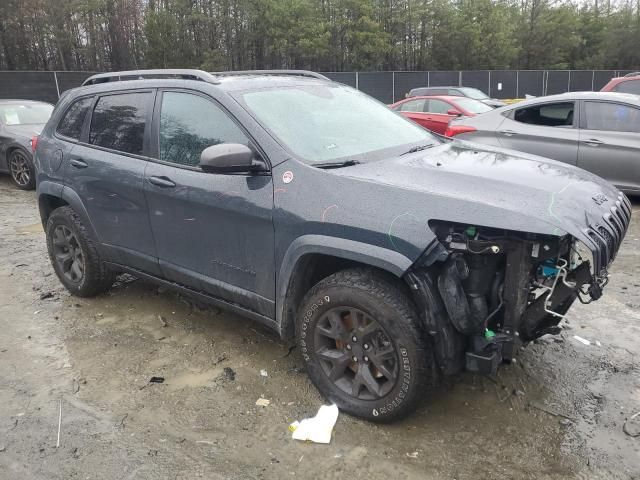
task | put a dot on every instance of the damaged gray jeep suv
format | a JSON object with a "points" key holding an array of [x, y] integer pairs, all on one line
{"points": [[393, 256]]}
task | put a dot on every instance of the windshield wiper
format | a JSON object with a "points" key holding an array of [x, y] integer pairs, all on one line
{"points": [[418, 148], [346, 163]]}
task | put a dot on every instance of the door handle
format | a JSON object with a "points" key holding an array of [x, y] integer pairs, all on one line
{"points": [[508, 133], [593, 142], [162, 182], [78, 163]]}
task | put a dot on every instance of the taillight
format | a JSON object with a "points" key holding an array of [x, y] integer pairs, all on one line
{"points": [[34, 143], [453, 130]]}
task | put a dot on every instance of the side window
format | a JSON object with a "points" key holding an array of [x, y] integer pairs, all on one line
{"points": [[118, 122], [72, 121], [189, 124], [438, 106], [413, 106], [548, 114], [630, 86], [613, 117]]}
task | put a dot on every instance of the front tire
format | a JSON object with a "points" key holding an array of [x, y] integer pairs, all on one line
{"points": [[363, 345], [22, 169], [74, 256]]}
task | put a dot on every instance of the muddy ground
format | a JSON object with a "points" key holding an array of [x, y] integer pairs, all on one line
{"points": [[557, 413]]}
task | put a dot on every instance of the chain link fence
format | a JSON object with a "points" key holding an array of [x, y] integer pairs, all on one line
{"points": [[387, 87]]}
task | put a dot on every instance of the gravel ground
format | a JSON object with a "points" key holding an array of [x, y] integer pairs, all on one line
{"points": [[558, 413]]}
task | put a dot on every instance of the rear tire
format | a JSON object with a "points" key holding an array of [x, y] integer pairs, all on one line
{"points": [[364, 346], [74, 256], [22, 169]]}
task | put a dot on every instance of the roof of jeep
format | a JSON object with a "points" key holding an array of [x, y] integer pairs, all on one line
{"points": [[231, 80]]}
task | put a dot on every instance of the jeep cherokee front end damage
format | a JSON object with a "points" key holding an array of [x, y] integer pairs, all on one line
{"points": [[483, 291]]}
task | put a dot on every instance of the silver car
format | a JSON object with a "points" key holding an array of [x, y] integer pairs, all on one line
{"points": [[596, 131], [20, 122]]}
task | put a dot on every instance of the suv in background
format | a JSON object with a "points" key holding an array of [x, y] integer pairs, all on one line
{"points": [[456, 92], [394, 256], [630, 83]]}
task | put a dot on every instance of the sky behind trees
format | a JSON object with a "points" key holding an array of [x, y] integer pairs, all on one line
{"points": [[322, 35]]}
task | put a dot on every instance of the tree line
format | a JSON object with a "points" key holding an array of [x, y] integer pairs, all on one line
{"points": [[322, 35]]}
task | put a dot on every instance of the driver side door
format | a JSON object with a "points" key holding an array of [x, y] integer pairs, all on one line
{"points": [[213, 232]]}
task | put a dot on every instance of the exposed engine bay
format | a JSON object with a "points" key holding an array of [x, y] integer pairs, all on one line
{"points": [[485, 291]]}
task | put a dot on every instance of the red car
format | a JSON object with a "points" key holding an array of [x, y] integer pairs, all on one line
{"points": [[435, 112], [630, 83]]}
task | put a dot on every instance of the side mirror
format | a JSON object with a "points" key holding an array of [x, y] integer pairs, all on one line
{"points": [[454, 112], [227, 158]]}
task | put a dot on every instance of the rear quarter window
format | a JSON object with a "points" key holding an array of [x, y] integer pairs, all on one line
{"points": [[71, 123]]}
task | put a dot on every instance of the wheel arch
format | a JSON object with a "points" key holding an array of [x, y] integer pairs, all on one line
{"points": [[311, 258], [53, 195]]}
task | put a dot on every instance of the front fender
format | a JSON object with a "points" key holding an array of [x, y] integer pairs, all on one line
{"points": [[375, 256]]}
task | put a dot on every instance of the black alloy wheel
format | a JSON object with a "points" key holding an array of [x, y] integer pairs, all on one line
{"points": [[74, 255], [355, 353], [67, 253], [364, 345]]}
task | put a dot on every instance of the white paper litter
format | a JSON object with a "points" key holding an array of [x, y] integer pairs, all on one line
{"points": [[317, 429], [263, 402], [263, 373], [582, 340]]}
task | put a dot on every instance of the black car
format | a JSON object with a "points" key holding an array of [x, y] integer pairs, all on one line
{"points": [[394, 256], [457, 92], [20, 121]]}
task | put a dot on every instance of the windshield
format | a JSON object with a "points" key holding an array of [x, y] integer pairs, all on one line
{"points": [[473, 93], [322, 123], [26, 114], [471, 105]]}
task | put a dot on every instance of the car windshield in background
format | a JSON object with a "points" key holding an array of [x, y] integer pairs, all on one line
{"points": [[471, 105], [473, 93], [26, 114], [322, 123]]}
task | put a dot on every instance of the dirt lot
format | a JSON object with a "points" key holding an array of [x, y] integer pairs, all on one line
{"points": [[557, 413]]}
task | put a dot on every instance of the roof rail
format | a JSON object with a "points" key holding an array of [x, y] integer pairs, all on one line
{"points": [[301, 73], [187, 74], [632, 74]]}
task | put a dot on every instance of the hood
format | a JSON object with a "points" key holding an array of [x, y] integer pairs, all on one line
{"points": [[479, 185], [25, 131], [494, 102]]}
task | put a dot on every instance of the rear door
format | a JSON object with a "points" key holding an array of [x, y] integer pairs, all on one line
{"points": [[213, 232], [437, 116], [414, 110], [610, 142], [546, 129], [106, 169]]}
